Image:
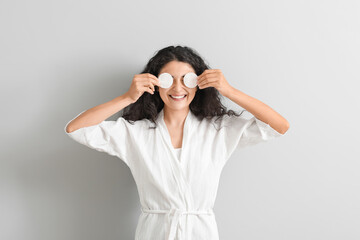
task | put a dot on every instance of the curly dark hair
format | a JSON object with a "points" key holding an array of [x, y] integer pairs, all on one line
{"points": [[206, 102]]}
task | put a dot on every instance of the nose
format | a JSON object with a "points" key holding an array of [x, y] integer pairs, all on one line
{"points": [[178, 83]]}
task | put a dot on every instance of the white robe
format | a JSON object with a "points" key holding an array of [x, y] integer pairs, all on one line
{"points": [[176, 195]]}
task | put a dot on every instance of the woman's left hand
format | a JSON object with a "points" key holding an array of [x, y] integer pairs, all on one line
{"points": [[214, 78]]}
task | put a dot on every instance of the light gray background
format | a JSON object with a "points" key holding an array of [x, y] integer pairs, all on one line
{"points": [[59, 58]]}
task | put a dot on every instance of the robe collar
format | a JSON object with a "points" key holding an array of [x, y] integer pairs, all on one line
{"points": [[176, 165]]}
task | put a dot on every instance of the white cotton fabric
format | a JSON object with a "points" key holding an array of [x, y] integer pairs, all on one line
{"points": [[178, 153], [177, 196]]}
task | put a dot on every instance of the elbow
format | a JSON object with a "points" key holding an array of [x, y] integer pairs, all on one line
{"points": [[285, 128], [68, 128]]}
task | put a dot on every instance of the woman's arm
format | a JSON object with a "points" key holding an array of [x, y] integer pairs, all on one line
{"points": [[215, 78], [259, 109], [99, 113]]}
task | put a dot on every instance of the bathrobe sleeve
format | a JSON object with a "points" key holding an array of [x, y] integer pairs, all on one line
{"points": [[110, 137], [240, 132]]}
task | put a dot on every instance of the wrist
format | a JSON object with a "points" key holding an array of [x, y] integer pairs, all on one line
{"points": [[228, 92]]}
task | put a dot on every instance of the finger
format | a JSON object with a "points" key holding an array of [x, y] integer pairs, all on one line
{"points": [[149, 75], [147, 84], [207, 81], [149, 90], [151, 86], [212, 70], [207, 75], [155, 81], [205, 85]]}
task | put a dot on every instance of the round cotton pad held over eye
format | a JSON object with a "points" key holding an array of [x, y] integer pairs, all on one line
{"points": [[190, 80], [166, 80]]}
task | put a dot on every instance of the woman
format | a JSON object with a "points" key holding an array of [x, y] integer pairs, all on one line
{"points": [[177, 190]]}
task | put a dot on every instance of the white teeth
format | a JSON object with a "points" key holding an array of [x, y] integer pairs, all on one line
{"points": [[177, 96]]}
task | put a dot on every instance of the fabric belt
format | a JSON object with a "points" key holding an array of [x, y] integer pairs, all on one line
{"points": [[177, 214]]}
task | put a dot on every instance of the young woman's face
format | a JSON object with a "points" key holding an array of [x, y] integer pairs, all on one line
{"points": [[177, 70]]}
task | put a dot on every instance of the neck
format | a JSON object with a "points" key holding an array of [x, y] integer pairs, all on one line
{"points": [[175, 118]]}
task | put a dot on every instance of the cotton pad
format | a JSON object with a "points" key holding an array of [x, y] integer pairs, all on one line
{"points": [[190, 80], [166, 80]]}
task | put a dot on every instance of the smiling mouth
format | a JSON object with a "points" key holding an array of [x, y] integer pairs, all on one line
{"points": [[178, 97]]}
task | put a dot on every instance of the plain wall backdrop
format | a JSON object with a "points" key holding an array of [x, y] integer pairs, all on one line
{"points": [[301, 58]]}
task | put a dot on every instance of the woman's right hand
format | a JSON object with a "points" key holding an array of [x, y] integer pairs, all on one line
{"points": [[142, 83]]}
